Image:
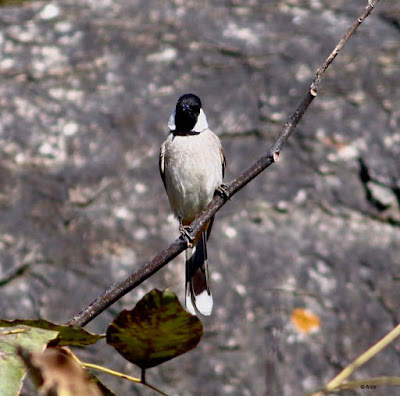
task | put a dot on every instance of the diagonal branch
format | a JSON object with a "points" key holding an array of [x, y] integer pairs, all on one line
{"points": [[118, 290]]}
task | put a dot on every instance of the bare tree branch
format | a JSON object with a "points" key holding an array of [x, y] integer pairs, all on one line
{"points": [[116, 291]]}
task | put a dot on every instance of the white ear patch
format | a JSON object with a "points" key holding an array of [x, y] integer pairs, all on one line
{"points": [[171, 122], [201, 124]]}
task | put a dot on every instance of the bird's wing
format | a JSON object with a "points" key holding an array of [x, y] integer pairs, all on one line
{"points": [[161, 163], [223, 160]]}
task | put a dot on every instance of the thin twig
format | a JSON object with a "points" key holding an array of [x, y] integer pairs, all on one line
{"points": [[371, 352], [341, 43], [14, 272], [370, 383], [366, 383], [118, 290]]}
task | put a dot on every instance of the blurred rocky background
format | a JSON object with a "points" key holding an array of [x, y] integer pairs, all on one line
{"points": [[86, 90]]}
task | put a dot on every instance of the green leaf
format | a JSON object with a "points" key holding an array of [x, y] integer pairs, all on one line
{"points": [[8, 3], [157, 329], [67, 335], [12, 368]]}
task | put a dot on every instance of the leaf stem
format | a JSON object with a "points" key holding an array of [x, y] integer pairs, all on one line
{"points": [[121, 375]]}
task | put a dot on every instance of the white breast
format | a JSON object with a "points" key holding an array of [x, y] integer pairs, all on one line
{"points": [[193, 171]]}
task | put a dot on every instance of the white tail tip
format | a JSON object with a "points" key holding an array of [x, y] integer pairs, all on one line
{"points": [[204, 303]]}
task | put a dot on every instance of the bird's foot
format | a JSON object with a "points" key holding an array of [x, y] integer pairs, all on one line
{"points": [[223, 191], [186, 232]]}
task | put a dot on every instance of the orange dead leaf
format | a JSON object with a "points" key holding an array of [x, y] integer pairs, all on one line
{"points": [[305, 321]]}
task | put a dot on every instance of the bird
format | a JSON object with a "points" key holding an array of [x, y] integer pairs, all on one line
{"points": [[192, 167]]}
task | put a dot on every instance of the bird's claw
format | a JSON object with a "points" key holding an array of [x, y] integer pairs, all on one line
{"points": [[223, 191], [186, 232]]}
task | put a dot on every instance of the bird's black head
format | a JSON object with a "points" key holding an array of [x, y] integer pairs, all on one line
{"points": [[186, 113]]}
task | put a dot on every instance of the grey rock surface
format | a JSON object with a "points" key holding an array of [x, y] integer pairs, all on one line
{"points": [[86, 90]]}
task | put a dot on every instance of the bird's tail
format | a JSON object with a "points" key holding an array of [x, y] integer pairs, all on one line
{"points": [[198, 293]]}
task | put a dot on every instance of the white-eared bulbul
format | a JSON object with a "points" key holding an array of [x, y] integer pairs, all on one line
{"points": [[192, 165]]}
